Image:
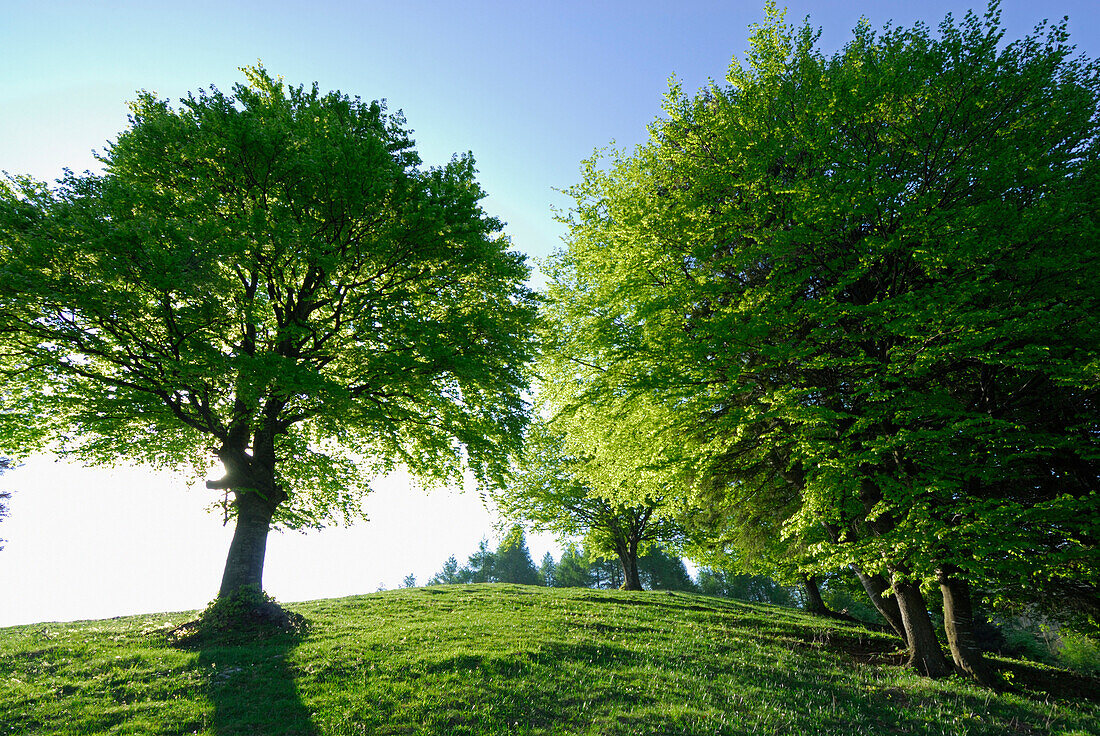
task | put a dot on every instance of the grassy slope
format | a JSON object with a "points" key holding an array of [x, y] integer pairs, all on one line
{"points": [[503, 659]]}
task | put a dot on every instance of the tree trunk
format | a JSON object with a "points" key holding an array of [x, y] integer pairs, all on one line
{"points": [[244, 565], [925, 654], [887, 606], [958, 623], [628, 556], [815, 604]]}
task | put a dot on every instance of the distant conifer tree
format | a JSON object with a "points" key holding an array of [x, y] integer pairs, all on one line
{"points": [[512, 563]]}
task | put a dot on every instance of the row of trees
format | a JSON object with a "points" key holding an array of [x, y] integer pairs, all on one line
{"points": [[511, 562], [841, 312]]}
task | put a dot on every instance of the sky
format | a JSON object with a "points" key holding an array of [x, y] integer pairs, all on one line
{"points": [[530, 88]]}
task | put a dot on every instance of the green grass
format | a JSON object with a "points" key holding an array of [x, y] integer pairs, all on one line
{"points": [[505, 659]]}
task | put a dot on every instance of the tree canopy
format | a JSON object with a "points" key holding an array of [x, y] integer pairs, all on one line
{"points": [[568, 487], [271, 279], [860, 290]]}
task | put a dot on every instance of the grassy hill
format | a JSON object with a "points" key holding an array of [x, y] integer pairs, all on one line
{"points": [[504, 659]]}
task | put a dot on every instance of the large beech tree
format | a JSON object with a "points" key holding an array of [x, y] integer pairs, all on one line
{"points": [[269, 277], [869, 279]]}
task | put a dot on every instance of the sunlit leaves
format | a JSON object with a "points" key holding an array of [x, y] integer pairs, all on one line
{"points": [[855, 291], [269, 273]]}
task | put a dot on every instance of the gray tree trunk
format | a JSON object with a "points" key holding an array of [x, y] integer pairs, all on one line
{"points": [[958, 623], [628, 557], [875, 586], [814, 602], [925, 654], [244, 566]]}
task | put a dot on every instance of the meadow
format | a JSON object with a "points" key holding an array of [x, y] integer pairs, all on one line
{"points": [[510, 659]]}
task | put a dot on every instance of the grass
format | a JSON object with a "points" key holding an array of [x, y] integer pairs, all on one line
{"points": [[506, 659]]}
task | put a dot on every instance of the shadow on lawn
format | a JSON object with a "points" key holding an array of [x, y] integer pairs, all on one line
{"points": [[252, 688]]}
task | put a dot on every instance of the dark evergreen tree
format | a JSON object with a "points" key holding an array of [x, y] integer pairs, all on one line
{"points": [[661, 570], [751, 588], [548, 570], [573, 570], [606, 572], [450, 574], [481, 567], [512, 563]]}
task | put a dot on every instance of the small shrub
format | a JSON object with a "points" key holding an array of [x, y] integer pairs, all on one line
{"points": [[1080, 652]]}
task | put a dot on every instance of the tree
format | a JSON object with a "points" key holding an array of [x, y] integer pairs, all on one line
{"points": [[548, 570], [512, 561], [605, 573], [449, 575], [866, 278], [566, 490], [742, 586], [481, 565], [660, 570], [573, 569], [269, 276]]}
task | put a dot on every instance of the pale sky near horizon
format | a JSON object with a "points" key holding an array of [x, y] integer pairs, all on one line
{"points": [[530, 88]]}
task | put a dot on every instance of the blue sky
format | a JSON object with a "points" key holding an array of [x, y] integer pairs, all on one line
{"points": [[530, 88]]}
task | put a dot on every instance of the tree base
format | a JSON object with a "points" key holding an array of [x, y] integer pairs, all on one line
{"points": [[247, 616]]}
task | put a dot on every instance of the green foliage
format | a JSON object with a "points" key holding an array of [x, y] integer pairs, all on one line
{"points": [[1079, 652], [605, 572], [844, 594], [548, 570], [573, 570], [480, 568], [272, 274], [743, 587], [1026, 639], [853, 294], [661, 570], [560, 485], [512, 561], [491, 660], [449, 575], [269, 278]]}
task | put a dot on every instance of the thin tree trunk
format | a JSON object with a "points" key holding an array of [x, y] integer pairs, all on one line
{"points": [[887, 606], [814, 602], [925, 654], [244, 566], [874, 585], [958, 623]]}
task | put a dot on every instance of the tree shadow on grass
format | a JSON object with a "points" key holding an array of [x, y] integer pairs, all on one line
{"points": [[252, 689], [248, 678]]}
